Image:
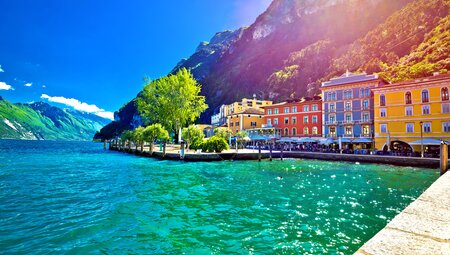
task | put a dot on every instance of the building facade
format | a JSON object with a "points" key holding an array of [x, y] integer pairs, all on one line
{"points": [[408, 111], [250, 118], [348, 105], [245, 104], [220, 118], [296, 118]]}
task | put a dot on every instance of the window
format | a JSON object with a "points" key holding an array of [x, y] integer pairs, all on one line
{"points": [[347, 94], [231, 124], [409, 111], [408, 98], [286, 131], [237, 123], [305, 119], [275, 111], [269, 122], [294, 120], [314, 119], [427, 127], [294, 108], [253, 124], [275, 121], [286, 120], [269, 111], [348, 106], [332, 119], [425, 109], [446, 127], [315, 131], [294, 131], [409, 127], [365, 117], [425, 97], [333, 96], [365, 104], [382, 100], [383, 112], [366, 130], [314, 107], [444, 94], [332, 131], [383, 128], [305, 130], [361, 92], [348, 118], [306, 108], [446, 108], [367, 92], [286, 110], [332, 108], [348, 130]]}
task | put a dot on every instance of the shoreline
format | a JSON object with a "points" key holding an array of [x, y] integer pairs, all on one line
{"points": [[431, 163]]}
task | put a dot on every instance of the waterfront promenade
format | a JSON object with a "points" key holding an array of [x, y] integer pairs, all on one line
{"points": [[173, 153]]}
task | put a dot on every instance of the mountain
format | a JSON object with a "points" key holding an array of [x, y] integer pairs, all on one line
{"points": [[296, 44], [41, 121]]}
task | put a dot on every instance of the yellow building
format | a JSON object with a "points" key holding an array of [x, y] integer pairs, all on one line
{"points": [[245, 104], [413, 114], [248, 119]]}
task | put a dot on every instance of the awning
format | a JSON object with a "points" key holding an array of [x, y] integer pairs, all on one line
{"points": [[327, 141], [362, 140], [307, 140], [345, 140], [258, 138], [287, 140], [427, 141]]}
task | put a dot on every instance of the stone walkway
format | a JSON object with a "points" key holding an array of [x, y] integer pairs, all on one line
{"points": [[422, 228]]}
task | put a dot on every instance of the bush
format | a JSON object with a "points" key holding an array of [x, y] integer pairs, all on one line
{"points": [[214, 144]]}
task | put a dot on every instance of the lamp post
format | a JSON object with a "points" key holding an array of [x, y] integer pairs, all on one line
{"points": [[421, 139]]}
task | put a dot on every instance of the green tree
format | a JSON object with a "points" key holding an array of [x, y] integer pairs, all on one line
{"points": [[153, 132], [225, 133], [241, 136], [138, 137], [174, 101], [215, 144], [193, 136], [127, 136]]}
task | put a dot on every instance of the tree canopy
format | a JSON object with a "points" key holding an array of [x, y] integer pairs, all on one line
{"points": [[193, 136], [174, 100]]}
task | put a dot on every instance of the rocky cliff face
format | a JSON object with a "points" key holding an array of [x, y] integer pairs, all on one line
{"points": [[296, 44]]}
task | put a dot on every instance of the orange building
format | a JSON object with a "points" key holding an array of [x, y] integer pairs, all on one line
{"points": [[247, 119]]}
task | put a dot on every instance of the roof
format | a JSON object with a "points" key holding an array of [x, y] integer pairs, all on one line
{"points": [[419, 81], [349, 77], [250, 111]]}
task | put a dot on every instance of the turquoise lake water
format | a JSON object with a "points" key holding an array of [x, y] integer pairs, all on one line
{"points": [[75, 197]]}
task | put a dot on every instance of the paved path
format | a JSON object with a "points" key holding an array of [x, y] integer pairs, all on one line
{"points": [[423, 228]]}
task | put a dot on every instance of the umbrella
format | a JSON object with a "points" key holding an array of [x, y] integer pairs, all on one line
{"points": [[285, 140], [362, 140], [426, 141], [246, 139], [345, 140], [258, 138]]}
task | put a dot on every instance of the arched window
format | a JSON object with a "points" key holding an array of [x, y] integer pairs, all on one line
{"points": [[408, 98], [382, 100], [294, 131], [425, 97], [306, 131], [286, 132], [315, 131], [444, 94]]}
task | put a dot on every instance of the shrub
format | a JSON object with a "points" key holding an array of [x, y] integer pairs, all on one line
{"points": [[215, 144]]}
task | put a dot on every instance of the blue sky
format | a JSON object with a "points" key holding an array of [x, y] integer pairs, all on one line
{"points": [[96, 53]]}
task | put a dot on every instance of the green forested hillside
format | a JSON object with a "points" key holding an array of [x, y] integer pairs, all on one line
{"points": [[40, 121]]}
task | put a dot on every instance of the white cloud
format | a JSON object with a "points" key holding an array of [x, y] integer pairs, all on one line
{"points": [[80, 106], [4, 86], [28, 84], [1, 70], [44, 86]]}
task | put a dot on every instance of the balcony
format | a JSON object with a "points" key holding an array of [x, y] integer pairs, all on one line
{"points": [[331, 122]]}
